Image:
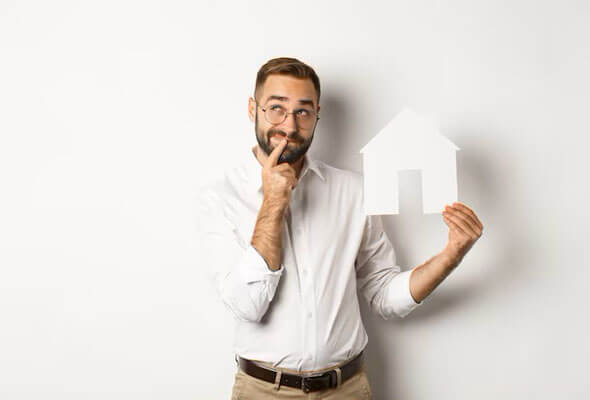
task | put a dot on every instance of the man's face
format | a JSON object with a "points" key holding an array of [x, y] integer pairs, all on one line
{"points": [[294, 95]]}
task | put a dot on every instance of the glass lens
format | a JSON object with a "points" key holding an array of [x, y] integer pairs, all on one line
{"points": [[275, 115], [305, 118]]}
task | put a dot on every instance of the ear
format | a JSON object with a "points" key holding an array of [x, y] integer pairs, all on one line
{"points": [[251, 109]]}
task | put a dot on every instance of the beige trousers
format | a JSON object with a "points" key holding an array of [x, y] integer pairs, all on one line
{"points": [[247, 387]]}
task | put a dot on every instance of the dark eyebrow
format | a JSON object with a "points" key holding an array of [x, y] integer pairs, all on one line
{"points": [[283, 98]]}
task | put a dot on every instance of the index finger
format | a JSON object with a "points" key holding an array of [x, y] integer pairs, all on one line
{"points": [[274, 155], [470, 212]]}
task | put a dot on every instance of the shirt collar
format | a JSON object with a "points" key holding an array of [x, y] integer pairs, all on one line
{"points": [[254, 169]]}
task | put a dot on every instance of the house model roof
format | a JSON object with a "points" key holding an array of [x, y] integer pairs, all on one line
{"points": [[408, 130]]}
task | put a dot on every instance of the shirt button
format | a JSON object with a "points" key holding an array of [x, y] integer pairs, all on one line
{"points": [[309, 314], [304, 272]]}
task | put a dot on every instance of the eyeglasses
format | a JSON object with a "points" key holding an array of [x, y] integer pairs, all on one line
{"points": [[276, 114]]}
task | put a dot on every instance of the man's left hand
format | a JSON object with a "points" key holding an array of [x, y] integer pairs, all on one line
{"points": [[464, 229]]}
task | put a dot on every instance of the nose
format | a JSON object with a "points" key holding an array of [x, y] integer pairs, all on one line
{"points": [[290, 122]]}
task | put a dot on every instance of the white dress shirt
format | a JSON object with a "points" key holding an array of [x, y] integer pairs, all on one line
{"points": [[306, 315]]}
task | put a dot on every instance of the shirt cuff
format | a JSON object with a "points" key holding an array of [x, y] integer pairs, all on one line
{"points": [[253, 268], [399, 294]]}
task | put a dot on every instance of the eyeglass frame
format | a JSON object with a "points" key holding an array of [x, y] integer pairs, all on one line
{"points": [[317, 116]]}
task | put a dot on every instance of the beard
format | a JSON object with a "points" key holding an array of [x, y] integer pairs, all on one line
{"points": [[292, 152]]}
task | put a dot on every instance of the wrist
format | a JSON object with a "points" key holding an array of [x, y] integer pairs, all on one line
{"points": [[275, 205], [451, 255]]}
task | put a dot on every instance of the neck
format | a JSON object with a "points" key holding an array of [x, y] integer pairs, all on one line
{"points": [[298, 166]]}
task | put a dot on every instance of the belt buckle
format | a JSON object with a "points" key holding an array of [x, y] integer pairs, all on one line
{"points": [[307, 381]]}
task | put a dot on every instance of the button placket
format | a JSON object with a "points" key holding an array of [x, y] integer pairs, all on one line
{"points": [[307, 286], [299, 246]]}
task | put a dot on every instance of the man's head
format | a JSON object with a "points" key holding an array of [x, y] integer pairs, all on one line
{"points": [[285, 85]]}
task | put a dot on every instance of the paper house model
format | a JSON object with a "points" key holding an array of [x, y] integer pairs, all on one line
{"points": [[409, 141]]}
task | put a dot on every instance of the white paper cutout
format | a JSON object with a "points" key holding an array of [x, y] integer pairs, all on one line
{"points": [[409, 141]]}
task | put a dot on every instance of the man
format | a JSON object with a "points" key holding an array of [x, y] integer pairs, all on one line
{"points": [[289, 245]]}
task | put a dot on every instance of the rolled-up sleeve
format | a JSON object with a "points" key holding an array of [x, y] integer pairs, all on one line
{"points": [[239, 273], [381, 282], [253, 268]]}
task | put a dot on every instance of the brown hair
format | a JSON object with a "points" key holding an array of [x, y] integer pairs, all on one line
{"points": [[286, 66]]}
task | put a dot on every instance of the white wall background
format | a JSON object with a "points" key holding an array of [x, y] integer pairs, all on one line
{"points": [[113, 113]]}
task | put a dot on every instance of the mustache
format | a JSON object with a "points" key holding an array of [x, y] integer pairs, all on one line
{"points": [[295, 137]]}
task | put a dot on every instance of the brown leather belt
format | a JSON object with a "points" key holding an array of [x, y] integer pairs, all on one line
{"points": [[309, 382]]}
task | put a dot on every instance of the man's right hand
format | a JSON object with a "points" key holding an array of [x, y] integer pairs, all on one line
{"points": [[278, 180]]}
